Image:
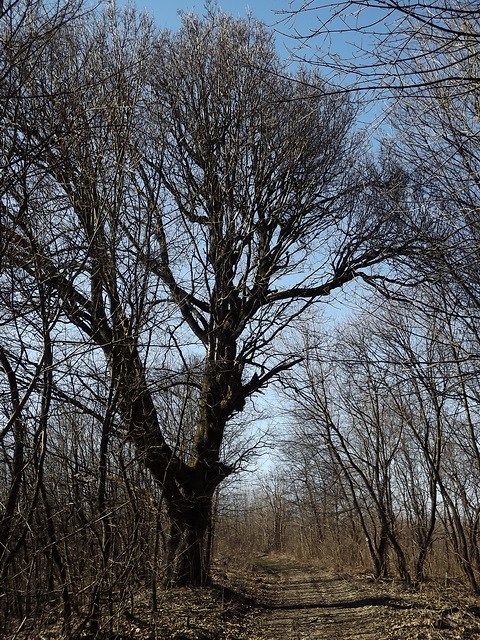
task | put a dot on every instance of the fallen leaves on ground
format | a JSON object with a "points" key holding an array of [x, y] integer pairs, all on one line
{"points": [[281, 598]]}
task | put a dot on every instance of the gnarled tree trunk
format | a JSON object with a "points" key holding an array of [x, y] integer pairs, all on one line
{"points": [[187, 550]]}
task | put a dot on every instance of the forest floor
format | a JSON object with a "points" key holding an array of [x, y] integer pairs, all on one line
{"points": [[292, 601], [282, 599]]}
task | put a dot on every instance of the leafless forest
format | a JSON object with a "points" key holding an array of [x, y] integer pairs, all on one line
{"points": [[178, 212]]}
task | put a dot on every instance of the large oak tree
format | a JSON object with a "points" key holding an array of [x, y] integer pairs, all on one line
{"points": [[186, 198]]}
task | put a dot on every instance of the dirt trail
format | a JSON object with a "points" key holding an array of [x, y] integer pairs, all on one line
{"points": [[300, 603]]}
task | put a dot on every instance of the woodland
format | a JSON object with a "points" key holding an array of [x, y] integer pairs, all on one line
{"points": [[180, 211]]}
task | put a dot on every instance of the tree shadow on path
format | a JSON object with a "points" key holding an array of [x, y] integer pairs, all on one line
{"points": [[393, 603]]}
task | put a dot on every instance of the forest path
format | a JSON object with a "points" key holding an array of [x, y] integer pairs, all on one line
{"points": [[301, 603], [292, 602]]}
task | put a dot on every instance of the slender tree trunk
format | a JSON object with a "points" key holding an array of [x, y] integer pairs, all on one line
{"points": [[379, 553], [10, 504]]}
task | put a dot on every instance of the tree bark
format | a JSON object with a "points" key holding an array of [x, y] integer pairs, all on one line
{"points": [[187, 546]]}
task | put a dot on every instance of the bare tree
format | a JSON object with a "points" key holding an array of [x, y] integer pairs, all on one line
{"points": [[388, 46], [339, 398], [438, 404], [397, 405], [186, 199], [272, 495], [239, 115], [416, 376], [385, 401]]}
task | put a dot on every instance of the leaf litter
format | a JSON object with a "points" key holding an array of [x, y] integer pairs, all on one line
{"points": [[281, 599]]}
